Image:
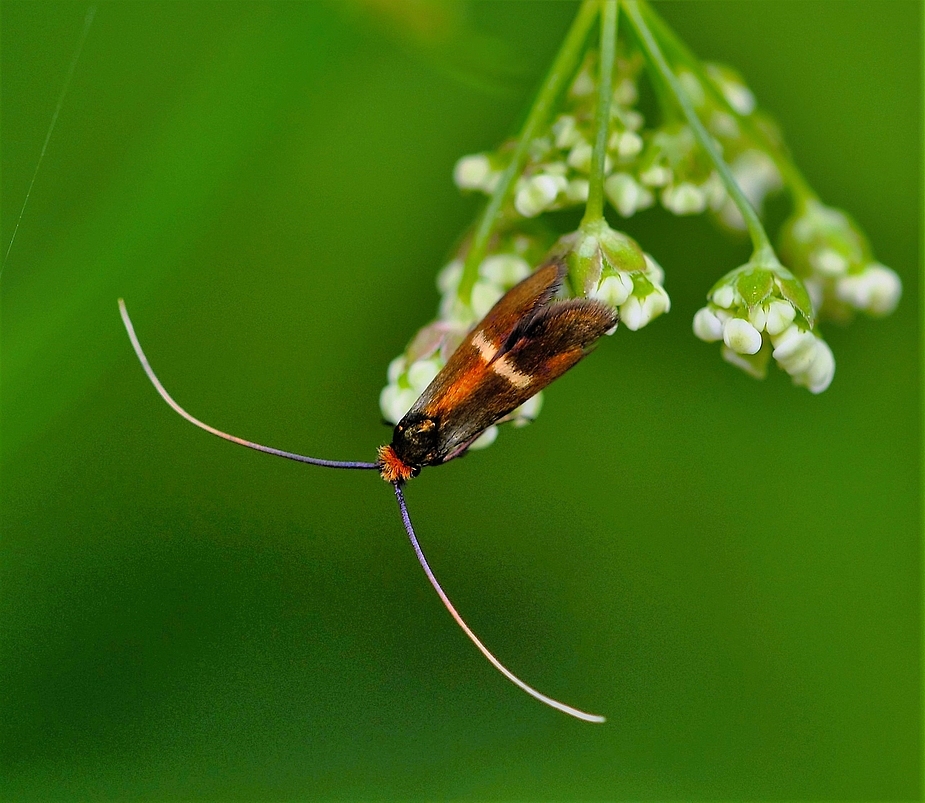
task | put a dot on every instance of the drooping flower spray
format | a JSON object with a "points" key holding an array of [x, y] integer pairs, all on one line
{"points": [[709, 150]]}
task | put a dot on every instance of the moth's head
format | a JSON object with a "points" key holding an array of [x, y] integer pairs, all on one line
{"points": [[393, 469], [415, 440]]}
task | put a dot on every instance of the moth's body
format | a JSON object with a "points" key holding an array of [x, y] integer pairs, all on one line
{"points": [[524, 342]]}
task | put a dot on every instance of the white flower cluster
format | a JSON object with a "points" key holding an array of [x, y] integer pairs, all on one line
{"points": [[410, 373], [642, 165], [674, 164], [876, 289], [752, 167], [638, 296], [556, 175], [833, 256], [774, 325]]}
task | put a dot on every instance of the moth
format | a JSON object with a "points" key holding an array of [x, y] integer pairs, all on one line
{"points": [[527, 340]]}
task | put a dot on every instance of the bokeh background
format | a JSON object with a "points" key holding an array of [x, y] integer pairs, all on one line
{"points": [[730, 570]]}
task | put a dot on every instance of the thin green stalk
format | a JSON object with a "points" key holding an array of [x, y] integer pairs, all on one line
{"points": [[562, 70], [763, 250], [594, 209], [799, 188]]}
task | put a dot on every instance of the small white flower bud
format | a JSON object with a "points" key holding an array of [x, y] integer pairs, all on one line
{"points": [[789, 341], [758, 317], [684, 199], [821, 371], [724, 296], [828, 262], [566, 132], [655, 176], [723, 314], [795, 349], [625, 92], [636, 313], [452, 310], [487, 438], [692, 87], [625, 194], [559, 168], [657, 302], [723, 124], [804, 229], [632, 315], [421, 374], [633, 119], [886, 288], [559, 177], [707, 326], [449, 276], [780, 315], [737, 94], [583, 85], [741, 336], [877, 289], [536, 194], [472, 172], [629, 144], [396, 368], [614, 290], [485, 295], [580, 157], [854, 290], [528, 411], [504, 269], [656, 272], [806, 357], [394, 402], [740, 97], [577, 190]]}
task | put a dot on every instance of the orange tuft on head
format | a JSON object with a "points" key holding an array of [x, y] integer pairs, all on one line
{"points": [[392, 468]]}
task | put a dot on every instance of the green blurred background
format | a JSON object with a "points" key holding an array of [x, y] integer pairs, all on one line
{"points": [[728, 569]]}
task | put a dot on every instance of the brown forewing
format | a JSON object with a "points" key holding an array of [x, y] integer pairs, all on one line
{"points": [[523, 343]]}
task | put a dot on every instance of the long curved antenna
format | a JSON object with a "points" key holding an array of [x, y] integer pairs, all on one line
{"points": [[234, 439], [565, 709]]}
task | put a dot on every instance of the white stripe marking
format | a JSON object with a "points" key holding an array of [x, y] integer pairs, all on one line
{"points": [[504, 367], [487, 350]]}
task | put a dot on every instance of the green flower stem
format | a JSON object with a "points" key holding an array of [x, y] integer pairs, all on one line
{"points": [[799, 188], [594, 209], [562, 70], [763, 251]]}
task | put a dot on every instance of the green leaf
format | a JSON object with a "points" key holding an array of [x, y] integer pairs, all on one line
{"points": [[794, 291], [755, 286]]}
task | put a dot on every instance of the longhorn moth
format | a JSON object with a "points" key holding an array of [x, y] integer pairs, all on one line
{"points": [[527, 340]]}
